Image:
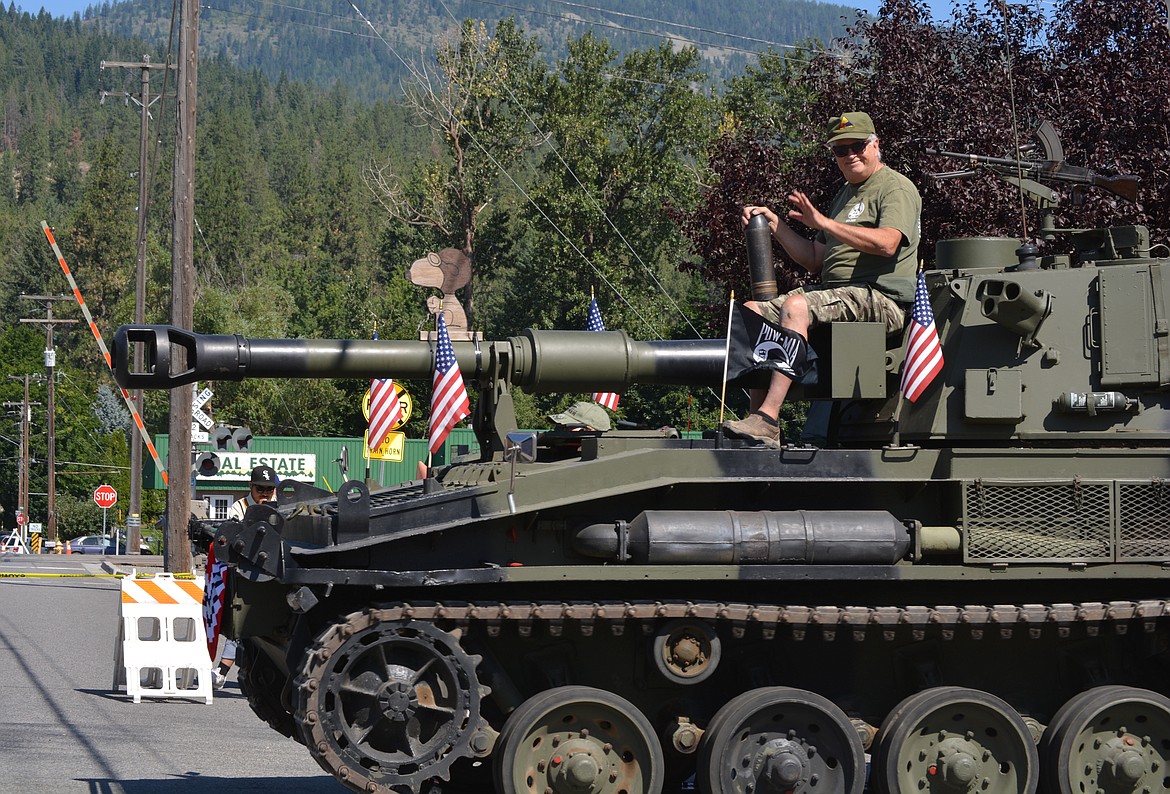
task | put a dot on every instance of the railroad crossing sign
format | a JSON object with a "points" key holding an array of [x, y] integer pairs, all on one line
{"points": [[197, 412], [202, 418], [200, 399], [393, 447], [405, 405], [105, 496]]}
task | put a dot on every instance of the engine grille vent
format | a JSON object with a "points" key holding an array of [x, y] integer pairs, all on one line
{"points": [[1145, 521], [1025, 522]]}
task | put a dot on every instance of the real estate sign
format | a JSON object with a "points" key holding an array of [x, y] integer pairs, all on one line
{"points": [[239, 465]]}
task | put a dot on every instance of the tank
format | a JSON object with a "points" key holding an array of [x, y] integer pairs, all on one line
{"points": [[967, 593]]}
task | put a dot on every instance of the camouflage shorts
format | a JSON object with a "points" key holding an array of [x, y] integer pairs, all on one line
{"points": [[842, 304]]}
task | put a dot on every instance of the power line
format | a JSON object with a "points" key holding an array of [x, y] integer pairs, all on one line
{"points": [[642, 19], [597, 206], [50, 323], [577, 20], [261, 17], [503, 171]]}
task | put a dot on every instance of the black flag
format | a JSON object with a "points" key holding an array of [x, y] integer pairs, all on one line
{"points": [[757, 344]]}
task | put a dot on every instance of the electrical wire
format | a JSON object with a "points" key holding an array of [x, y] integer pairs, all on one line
{"points": [[553, 148], [626, 29], [577, 20], [423, 84]]}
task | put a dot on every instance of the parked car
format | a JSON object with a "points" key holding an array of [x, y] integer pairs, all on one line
{"points": [[104, 544], [92, 544]]}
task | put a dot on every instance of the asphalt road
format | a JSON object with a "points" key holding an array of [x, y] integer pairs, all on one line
{"points": [[63, 729]]}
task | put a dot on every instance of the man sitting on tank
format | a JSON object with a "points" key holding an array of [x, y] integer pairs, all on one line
{"points": [[865, 250]]}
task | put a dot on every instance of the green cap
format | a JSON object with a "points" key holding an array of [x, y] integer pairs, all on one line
{"points": [[849, 126], [583, 414]]}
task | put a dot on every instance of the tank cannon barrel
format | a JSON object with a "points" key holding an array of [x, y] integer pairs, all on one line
{"points": [[535, 360]]}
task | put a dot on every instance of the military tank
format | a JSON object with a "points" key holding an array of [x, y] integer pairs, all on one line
{"points": [[967, 593]]}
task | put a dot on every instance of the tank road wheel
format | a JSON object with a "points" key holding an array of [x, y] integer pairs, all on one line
{"points": [[388, 704], [262, 682], [686, 651], [950, 739], [578, 740], [1112, 738], [778, 739]]}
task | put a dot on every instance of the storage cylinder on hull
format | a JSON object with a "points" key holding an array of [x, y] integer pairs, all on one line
{"points": [[821, 537]]}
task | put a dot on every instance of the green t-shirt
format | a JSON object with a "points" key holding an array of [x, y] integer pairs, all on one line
{"points": [[885, 200]]}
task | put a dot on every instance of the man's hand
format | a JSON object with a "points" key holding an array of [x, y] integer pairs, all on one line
{"points": [[773, 219], [882, 241], [809, 254], [805, 211]]}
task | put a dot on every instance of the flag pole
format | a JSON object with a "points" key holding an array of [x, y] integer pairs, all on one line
{"points": [[366, 446], [897, 440], [434, 357], [726, 356], [897, 418]]}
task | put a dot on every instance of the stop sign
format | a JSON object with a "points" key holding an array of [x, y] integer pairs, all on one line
{"points": [[105, 496]]}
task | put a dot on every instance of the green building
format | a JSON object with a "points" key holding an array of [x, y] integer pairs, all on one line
{"points": [[316, 461]]}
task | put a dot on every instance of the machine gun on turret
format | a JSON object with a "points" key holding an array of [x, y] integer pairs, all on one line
{"points": [[1031, 175], [1121, 185]]}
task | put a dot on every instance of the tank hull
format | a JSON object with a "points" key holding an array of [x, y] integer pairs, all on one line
{"points": [[1057, 586]]}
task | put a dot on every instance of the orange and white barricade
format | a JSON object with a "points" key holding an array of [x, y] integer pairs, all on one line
{"points": [[162, 643]]}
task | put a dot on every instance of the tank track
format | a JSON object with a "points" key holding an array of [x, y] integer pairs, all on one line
{"points": [[336, 741], [1004, 619], [473, 739]]}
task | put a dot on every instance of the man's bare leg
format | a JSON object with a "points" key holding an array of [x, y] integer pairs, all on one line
{"points": [[763, 423], [793, 316]]}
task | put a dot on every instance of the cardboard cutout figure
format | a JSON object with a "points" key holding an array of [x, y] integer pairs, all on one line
{"points": [[448, 270]]}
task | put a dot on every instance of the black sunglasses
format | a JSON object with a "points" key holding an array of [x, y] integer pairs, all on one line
{"points": [[846, 149], [264, 488]]}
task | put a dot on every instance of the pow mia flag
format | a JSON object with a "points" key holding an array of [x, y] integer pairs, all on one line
{"points": [[756, 344]]}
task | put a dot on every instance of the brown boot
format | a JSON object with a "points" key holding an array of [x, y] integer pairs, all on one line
{"points": [[756, 426]]}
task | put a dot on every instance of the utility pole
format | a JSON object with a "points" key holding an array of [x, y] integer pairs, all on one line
{"points": [[50, 364], [177, 557], [133, 529], [25, 420]]}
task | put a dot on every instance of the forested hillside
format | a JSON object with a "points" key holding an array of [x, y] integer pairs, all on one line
{"points": [[311, 204], [323, 41], [287, 241], [619, 173]]}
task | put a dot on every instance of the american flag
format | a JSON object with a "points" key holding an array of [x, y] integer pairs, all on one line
{"points": [[385, 412], [607, 398], [924, 357], [449, 404], [214, 593]]}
